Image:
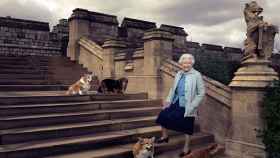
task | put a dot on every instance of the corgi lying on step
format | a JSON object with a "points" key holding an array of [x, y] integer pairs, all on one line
{"points": [[144, 148], [82, 86], [203, 152]]}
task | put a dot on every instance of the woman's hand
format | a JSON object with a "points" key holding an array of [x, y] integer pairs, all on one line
{"points": [[165, 104]]}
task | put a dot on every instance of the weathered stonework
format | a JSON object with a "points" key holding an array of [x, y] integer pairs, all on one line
{"points": [[133, 31], [26, 37], [110, 48], [61, 29], [96, 26], [157, 46], [178, 33]]}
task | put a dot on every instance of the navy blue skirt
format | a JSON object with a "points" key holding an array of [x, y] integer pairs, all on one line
{"points": [[173, 118]]}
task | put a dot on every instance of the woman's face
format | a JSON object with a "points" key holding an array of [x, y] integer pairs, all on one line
{"points": [[187, 64]]}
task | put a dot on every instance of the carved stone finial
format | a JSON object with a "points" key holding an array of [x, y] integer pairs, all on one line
{"points": [[255, 71], [260, 35]]}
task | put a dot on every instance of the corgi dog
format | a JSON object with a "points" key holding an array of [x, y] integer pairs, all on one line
{"points": [[144, 148], [82, 86], [203, 152], [113, 86]]}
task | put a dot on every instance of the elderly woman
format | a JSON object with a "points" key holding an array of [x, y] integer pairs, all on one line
{"points": [[180, 107]]}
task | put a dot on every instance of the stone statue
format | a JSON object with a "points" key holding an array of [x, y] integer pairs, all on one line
{"points": [[260, 35]]}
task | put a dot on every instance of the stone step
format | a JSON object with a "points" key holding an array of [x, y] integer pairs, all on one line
{"points": [[215, 153], [16, 62], [22, 66], [125, 151], [24, 81], [18, 98], [30, 109], [25, 66], [13, 88], [13, 57], [15, 98], [80, 143], [22, 71], [12, 136], [13, 66], [22, 76], [36, 93], [56, 70], [75, 117], [66, 77], [27, 82], [62, 65], [23, 58]]}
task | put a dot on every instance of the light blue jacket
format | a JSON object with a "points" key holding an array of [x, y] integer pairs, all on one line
{"points": [[194, 88]]}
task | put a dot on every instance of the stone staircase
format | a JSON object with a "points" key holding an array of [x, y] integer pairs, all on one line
{"points": [[37, 119], [89, 126], [24, 73]]}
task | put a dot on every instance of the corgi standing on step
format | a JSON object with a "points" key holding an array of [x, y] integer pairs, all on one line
{"points": [[144, 148], [82, 86]]}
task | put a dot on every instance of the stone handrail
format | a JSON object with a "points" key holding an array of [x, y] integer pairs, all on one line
{"points": [[91, 56], [92, 47], [214, 89]]}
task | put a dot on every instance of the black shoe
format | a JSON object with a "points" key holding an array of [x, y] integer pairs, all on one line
{"points": [[182, 154], [162, 140]]}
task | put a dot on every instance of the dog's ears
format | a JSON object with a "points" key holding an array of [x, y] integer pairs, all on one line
{"points": [[153, 139], [140, 140]]}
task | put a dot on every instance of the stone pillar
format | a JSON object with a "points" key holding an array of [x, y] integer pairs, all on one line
{"points": [[111, 47], [247, 100], [157, 46], [78, 27]]}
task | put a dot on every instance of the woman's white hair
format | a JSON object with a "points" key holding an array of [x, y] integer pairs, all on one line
{"points": [[186, 56]]}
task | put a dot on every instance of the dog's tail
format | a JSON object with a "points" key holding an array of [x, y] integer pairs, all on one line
{"points": [[102, 88], [212, 147], [99, 90], [68, 92]]}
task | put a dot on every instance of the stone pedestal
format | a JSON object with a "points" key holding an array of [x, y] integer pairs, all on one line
{"points": [[247, 100], [111, 47], [157, 45], [254, 74]]}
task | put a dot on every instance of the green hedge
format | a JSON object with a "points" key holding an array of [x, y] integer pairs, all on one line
{"points": [[217, 68], [271, 133]]}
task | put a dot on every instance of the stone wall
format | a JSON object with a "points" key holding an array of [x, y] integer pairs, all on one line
{"points": [[214, 113], [132, 30], [60, 32], [217, 51], [61, 29], [178, 34], [97, 26], [26, 37], [132, 69]]}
